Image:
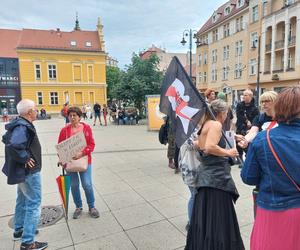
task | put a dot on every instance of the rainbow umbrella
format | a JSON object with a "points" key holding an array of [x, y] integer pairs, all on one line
{"points": [[64, 184]]}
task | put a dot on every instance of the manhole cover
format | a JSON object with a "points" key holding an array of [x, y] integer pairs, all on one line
{"points": [[49, 216]]}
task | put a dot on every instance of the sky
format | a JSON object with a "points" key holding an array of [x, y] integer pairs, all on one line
{"points": [[129, 26]]}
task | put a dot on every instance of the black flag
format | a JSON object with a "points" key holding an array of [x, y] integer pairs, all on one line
{"points": [[181, 101]]}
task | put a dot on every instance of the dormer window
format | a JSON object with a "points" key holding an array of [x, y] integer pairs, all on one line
{"points": [[240, 3], [227, 10], [73, 43], [88, 44], [214, 18]]}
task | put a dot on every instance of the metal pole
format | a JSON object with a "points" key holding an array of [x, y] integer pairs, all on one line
{"points": [[258, 74], [191, 33]]}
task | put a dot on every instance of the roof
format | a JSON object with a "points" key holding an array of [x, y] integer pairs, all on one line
{"points": [[220, 12], [9, 40], [59, 40], [153, 50]]}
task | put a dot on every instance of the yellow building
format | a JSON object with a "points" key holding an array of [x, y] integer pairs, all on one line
{"points": [[58, 67]]}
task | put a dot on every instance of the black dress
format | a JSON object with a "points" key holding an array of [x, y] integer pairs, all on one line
{"points": [[214, 224]]}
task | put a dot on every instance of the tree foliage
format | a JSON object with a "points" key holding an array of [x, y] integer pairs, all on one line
{"points": [[113, 77], [140, 78]]}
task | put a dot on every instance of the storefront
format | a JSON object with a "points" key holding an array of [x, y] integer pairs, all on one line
{"points": [[10, 93]]}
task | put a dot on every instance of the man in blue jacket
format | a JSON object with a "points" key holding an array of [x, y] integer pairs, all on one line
{"points": [[23, 162]]}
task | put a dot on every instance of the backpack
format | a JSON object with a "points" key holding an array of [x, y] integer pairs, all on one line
{"points": [[189, 163], [163, 134]]}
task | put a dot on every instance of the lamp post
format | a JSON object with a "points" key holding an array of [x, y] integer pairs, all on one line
{"points": [[191, 34], [258, 69]]}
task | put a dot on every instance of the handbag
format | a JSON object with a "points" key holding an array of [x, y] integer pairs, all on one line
{"points": [[79, 165], [280, 162]]}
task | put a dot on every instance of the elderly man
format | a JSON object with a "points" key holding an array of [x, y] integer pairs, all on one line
{"points": [[246, 111], [23, 162]]}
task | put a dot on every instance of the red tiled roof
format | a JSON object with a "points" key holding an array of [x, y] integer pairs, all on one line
{"points": [[221, 15], [61, 40], [153, 50], [9, 40]]}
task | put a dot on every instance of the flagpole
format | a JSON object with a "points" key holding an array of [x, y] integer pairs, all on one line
{"points": [[206, 105]]}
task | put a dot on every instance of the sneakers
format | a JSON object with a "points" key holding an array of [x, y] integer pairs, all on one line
{"points": [[18, 234], [77, 213], [94, 212], [34, 246]]}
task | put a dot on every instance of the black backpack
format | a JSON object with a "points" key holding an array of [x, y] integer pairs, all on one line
{"points": [[163, 133]]}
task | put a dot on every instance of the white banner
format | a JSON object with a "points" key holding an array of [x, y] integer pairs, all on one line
{"points": [[68, 148]]}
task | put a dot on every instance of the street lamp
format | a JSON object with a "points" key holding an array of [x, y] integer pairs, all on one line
{"points": [[258, 68], [191, 34]]}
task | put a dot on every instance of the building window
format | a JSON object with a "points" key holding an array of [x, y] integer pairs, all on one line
{"points": [[53, 98], [1, 69], [200, 77], [239, 25], [226, 52], [52, 71], [205, 58], [73, 43], [227, 10], [288, 2], [77, 73], [255, 13], [238, 70], [254, 40], [226, 30], [214, 56], [88, 44], [204, 77], [252, 67], [290, 61], [90, 73], [240, 3], [200, 59], [214, 75], [215, 35], [225, 73], [265, 5], [39, 97], [239, 48], [37, 71]]}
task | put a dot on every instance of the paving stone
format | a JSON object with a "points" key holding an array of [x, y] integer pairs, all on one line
{"points": [[137, 215], [160, 235]]}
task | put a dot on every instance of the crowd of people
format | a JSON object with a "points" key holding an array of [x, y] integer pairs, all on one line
{"points": [[268, 140]]}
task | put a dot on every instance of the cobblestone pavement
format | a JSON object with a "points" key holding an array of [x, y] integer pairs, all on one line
{"points": [[143, 204]]}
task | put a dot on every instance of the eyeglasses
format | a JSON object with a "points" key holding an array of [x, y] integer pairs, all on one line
{"points": [[265, 101]]}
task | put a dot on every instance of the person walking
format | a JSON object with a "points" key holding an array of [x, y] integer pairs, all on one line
{"points": [[97, 112], [74, 127], [214, 223], [272, 163], [84, 116], [23, 163], [104, 111]]}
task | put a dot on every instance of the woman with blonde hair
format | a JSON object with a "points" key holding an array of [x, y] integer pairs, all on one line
{"points": [[263, 120]]}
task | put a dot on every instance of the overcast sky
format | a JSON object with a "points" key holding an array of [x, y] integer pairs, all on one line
{"points": [[129, 26]]}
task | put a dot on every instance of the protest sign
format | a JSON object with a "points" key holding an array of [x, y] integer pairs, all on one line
{"points": [[68, 148]]}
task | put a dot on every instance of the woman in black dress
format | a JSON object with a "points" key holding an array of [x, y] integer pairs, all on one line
{"points": [[214, 224]]}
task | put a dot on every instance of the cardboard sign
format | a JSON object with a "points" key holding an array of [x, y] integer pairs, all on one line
{"points": [[68, 148]]}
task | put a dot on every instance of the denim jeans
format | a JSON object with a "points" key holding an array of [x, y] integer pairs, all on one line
{"points": [[86, 182], [28, 207], [191, 202]]}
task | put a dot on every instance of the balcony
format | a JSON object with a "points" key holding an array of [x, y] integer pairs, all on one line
{"points": [[279, 44], [267, 72], [292, 41], [277, 71], [290, 69], [268, 47]]}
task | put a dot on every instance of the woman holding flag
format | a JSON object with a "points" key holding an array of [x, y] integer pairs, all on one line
{"points": [[214, 223]]}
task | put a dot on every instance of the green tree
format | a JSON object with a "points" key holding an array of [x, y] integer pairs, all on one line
{"points": [[140, 79], [113, 77]]}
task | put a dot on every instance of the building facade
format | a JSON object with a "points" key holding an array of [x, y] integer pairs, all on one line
{"points": [[166, 57], [10, 93], [242, 36], [58, 67]]}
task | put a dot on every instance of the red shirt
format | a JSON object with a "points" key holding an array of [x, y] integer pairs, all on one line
{"points": [[66, 132]]}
